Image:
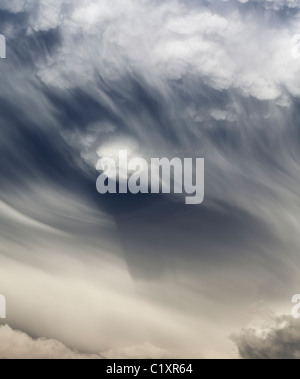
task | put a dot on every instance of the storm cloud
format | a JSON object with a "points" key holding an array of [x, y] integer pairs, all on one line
{"points": [[213, 79], [278, 340]]}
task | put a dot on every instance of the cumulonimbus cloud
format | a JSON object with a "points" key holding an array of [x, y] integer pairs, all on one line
{"points": [[215, 79], [278, 340]]}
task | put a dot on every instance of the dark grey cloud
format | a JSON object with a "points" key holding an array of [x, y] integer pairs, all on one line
{"points": [[192, 79], [279, 340]]}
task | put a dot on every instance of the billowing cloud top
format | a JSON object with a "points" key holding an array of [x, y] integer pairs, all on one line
{"points": [[213, 79]]}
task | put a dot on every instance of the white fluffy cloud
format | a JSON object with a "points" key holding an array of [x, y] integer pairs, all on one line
{"points": [[166, 41], [169, 41], [17, 345], [14, 6]]}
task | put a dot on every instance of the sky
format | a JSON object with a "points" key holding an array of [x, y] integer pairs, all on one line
{"points": [[144, 276]]}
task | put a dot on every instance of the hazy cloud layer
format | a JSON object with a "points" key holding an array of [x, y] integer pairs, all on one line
{"points": [[18, 345], [213, 79]]}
